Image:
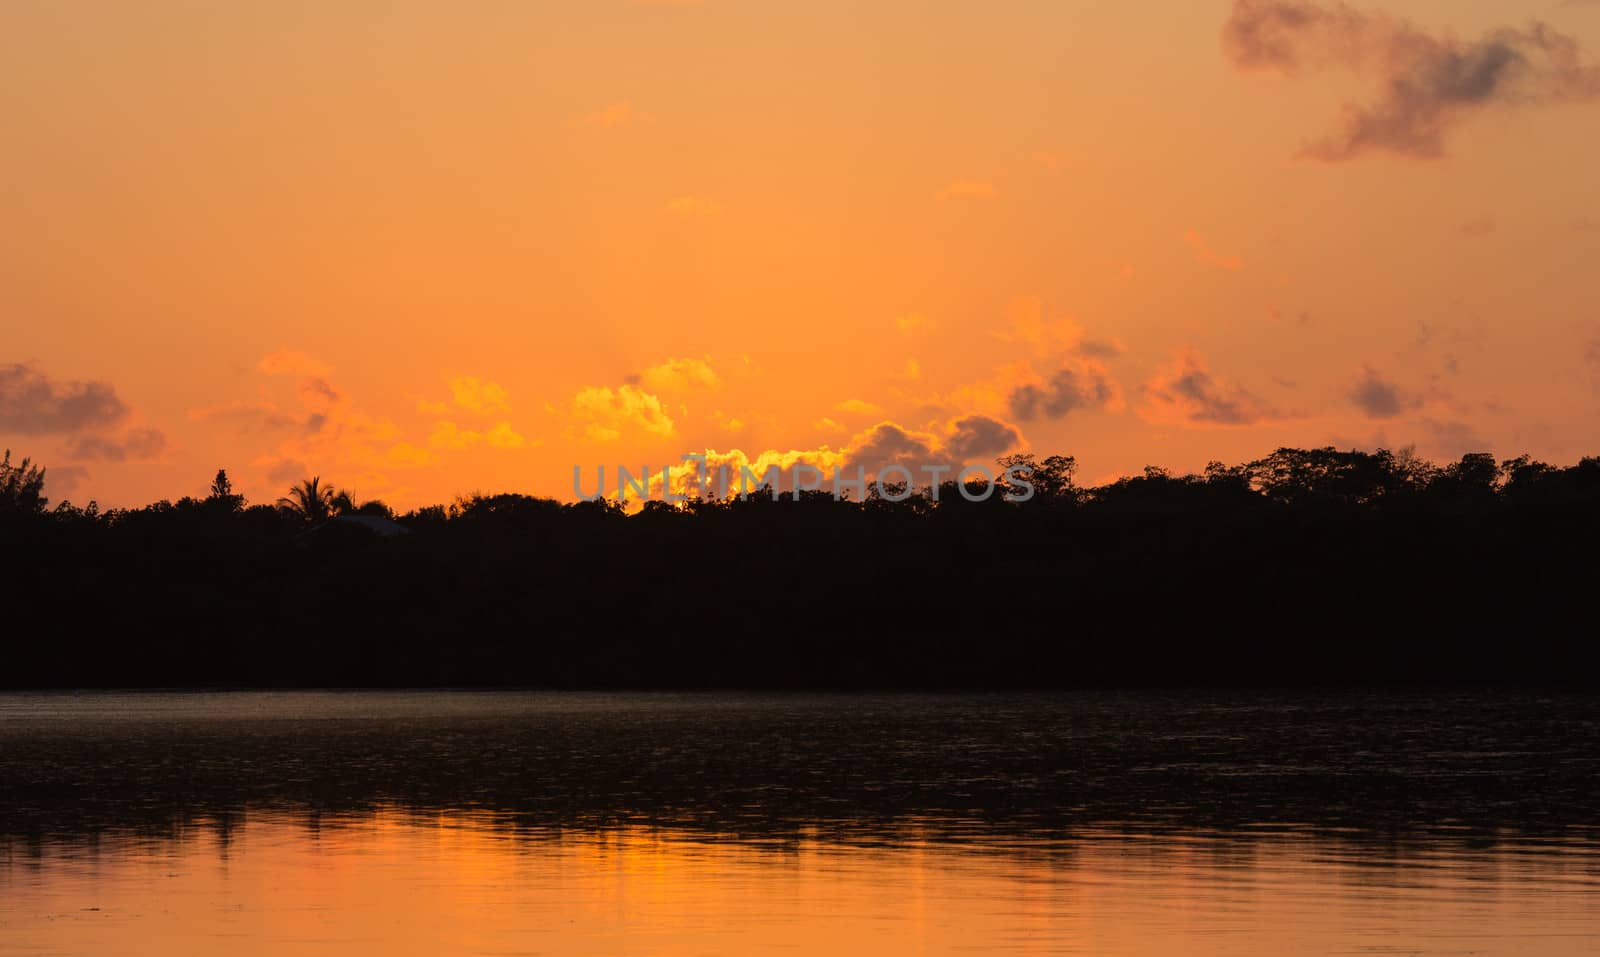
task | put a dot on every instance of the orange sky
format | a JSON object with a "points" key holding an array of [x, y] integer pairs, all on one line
{"points": [[425, 249]]}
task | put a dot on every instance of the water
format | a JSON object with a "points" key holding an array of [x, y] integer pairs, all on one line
{"points": [[522, 823]]}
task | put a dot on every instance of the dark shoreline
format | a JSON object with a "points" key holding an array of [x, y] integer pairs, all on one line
{"points": [[1308, 569]]}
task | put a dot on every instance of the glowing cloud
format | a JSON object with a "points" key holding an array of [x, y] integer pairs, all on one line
{"points": [[678, 375], [606, 413]]}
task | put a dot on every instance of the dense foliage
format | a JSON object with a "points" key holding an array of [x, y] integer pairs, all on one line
{"points": [[1306, 566]]}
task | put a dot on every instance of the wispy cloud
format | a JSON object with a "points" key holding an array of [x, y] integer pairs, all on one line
{"points": [[678, 375], [1428, 83], [292, 362], [1185, 392]]}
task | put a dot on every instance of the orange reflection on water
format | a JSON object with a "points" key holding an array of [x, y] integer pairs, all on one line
{"points": [[396, 883]]}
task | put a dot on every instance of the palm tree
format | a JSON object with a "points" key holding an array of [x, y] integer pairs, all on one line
{"points": [[311, 501]]}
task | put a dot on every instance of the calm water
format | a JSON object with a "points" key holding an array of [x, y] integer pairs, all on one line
{"points": [[464, 823]]}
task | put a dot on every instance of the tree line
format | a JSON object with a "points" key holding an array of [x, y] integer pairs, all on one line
{"points": [[1305, 566]]}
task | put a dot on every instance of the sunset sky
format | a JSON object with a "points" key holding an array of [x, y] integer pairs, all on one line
{"points": [[421, 249]]}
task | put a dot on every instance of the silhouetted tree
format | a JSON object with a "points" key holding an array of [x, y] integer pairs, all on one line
{"points": [[1326, 475], [1310, 565], [222, 495], [1051, 479], [21, 487], [310, 501]]}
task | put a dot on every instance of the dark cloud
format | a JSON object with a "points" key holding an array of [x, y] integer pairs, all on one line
{"points": [[64, 479], [970, 440], [1378, 397], [888, 444], [262, 417], [318, 392], [33, 404], [137, 444], [1211, 403], [1065, 391], [1187, 391], [1428, 83], [978, 438], [1100, 348]]}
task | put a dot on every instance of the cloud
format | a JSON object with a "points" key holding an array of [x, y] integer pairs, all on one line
{"points": [[1429, 83], [64, 479], [978, 437], [1026, 324], [966, 440], [317, 423], [502, 436], [615, 116], [1204, 254], [1379, 398], [478, 395], [289, 362], [318, 395], [449, 436], [692, 207], [1081, 385], [969, 189], [1185, 392], [1108, 348], [678, 375], [255, 416], [31, 403], [858, 407], [140, 445], [606, 413], [407, 455]]}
